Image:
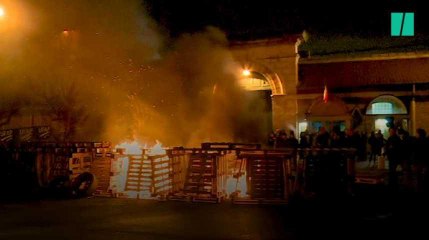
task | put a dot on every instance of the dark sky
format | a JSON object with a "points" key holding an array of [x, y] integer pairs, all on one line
{"points": [[246, 19]]}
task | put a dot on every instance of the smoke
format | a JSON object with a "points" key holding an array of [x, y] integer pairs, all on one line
{"points": [[102, 70]]}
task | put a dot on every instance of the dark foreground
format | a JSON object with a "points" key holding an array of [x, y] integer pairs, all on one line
{"points": [[102, 218]]}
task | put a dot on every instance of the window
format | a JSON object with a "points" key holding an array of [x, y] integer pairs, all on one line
{"points": [[302, 127], [382, 108], [382, 125]]}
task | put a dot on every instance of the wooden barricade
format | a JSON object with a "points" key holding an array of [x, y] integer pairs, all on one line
{"points": [[206, 175], [266, 176]]}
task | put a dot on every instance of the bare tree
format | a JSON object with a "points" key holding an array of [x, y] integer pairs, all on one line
{"points": [[64, 106], [8, 109]]}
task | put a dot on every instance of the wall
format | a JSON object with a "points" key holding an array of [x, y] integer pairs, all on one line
{"points": [[422, 115], [276, 59]]}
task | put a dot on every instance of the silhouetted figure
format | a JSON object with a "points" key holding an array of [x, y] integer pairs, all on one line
{"points": [[407, 149], [304, 140], [337, 140], [281, 140], [393, 154], [322, 139], [375, 148], [271, 139], [291, 140]]}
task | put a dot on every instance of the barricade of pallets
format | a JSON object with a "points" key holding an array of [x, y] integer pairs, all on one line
{"points": [[266, 176], [142, 176], [201, 176]]}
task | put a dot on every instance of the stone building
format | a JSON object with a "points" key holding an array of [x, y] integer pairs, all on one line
{"points": [[365, 92]]}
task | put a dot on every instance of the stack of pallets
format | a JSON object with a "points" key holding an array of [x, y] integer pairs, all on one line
{"points": [[101, 168], [266, 176], [179, 161], [147, 177], [205, 176]]}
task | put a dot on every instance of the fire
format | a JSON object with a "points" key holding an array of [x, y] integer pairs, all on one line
{"points": [[246, 72], [157, 149], [140, 173], [237, 185], [134, 147], [2, 12], [237, 181]]}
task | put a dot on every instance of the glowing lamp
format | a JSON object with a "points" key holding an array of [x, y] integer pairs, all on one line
{"points": [[2, 12], [246, 72]]}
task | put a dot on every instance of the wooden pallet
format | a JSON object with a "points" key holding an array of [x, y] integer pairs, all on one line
{"points": [[371, 177], [101, 168], [201, 175], [204, 180], [267, 176], [148, 175]]}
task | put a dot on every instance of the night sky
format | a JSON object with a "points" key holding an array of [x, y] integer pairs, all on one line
{"points": [[244, 19]]}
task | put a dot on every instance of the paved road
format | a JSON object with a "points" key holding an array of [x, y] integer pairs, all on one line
{"points": [[103, 218]]}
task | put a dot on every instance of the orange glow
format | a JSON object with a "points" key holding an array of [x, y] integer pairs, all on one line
{"points": [[237, 185], [141, 176], [66, 33], [134, 147], [157, 149], [2, 12], [236, 182], [246, 72]]}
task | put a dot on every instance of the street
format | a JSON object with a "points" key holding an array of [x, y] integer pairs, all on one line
{"points": [[110, 218], [102, 218]]}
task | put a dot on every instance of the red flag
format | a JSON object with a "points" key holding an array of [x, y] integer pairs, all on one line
{"points": [[325, 94]]}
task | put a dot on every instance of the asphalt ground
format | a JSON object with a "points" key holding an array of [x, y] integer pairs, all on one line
{"points": [[373, 213]]}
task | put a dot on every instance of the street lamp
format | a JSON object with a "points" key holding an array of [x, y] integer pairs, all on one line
{"points": [[2, 12], [246, 72]]}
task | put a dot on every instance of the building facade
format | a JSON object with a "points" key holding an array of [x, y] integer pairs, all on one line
{"points": [[365, 92]]}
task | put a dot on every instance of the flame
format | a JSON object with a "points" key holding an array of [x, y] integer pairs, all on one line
{"points": [[134, 147], [157, 149], [236, 183], [158, 172]]}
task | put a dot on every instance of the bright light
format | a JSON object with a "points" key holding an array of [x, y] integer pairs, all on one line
{"points": [[246, 72], [133, 148], [381, 124], [2, 12]]}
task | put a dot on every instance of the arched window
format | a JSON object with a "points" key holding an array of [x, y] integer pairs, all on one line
{"points": [[382, 108], [253, 81], [386, 105]]}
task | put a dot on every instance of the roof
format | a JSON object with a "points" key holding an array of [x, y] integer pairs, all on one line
{"points": [[361, 73], [286, 39]]}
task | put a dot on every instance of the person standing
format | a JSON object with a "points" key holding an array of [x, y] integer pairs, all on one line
{"points": [[393, 155], [373, 148]]}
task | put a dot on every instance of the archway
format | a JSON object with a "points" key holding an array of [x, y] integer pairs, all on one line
{"points": [[261, 84], [386, 111], [252, 69]]}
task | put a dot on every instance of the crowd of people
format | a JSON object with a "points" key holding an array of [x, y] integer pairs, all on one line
{"points": [[402, 150]]}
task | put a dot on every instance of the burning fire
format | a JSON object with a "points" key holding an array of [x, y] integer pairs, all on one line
{"points": [[157, 149], [140, 173], [236, 183], [133, 147]]}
